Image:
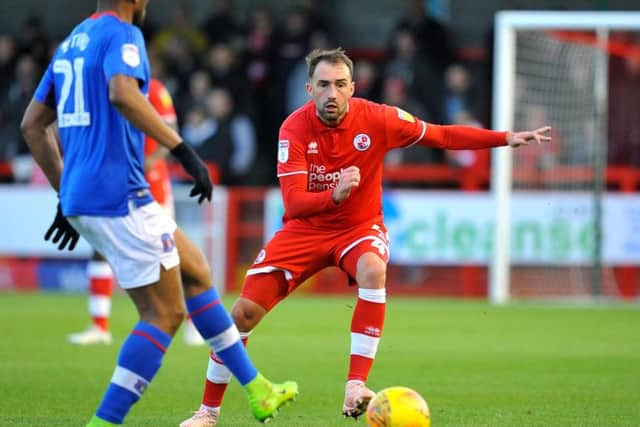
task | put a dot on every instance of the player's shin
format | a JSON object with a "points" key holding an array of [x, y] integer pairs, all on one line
{"points": [[216, 327], [366, 328], [219, 331], [218, 378], [140, 358]]}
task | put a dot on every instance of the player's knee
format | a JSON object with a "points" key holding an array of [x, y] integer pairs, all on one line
{"points": [[203, 274], [372, 273], [196, 275], [194, 267], [372, 279], [246, 315], [167, 318]]}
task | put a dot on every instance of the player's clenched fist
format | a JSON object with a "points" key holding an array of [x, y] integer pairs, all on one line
{"points": [[349, 179]]}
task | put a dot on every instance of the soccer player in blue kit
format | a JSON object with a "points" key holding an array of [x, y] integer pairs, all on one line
{"points": [[95, 88]]}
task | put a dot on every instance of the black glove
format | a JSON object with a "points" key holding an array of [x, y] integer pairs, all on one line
{"points": [[64, 230], [194, 166]]}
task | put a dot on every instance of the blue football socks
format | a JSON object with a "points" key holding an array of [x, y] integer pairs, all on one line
{"points": [[216, 327], [139, 360]]}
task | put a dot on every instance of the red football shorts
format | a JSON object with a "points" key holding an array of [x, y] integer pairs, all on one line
{"points": [[296, 255]]}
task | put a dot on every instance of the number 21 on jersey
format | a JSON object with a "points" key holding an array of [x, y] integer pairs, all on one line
{"points": [[72, 76]]}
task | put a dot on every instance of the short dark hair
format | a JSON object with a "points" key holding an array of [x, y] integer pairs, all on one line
{"points": [[333, 56]]}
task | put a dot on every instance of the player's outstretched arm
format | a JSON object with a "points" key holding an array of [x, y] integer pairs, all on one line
{"points": [[457, 137], [125, 95], [40, 140], [540, 135]]}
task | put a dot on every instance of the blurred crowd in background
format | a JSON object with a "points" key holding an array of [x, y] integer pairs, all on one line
{"points": [[233, 81]]}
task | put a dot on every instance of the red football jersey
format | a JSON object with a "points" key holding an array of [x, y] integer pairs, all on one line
{"points": [[311, 155], [158, 176], [309, 147]]}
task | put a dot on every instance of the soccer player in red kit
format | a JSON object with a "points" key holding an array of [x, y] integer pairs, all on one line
{"points": [[330, 158]]}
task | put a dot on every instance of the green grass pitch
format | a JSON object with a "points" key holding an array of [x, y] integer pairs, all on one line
{"points": [[477, 365]]}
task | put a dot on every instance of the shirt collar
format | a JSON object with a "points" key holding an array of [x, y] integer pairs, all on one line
{"points": [[101, 14]]}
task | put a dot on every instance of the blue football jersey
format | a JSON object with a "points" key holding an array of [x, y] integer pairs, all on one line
{"points": [[103, 153]]}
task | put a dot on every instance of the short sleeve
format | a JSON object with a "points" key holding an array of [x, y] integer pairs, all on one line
{"points": [[402, 128], [125, 54], [45, 92], [291, 154]]}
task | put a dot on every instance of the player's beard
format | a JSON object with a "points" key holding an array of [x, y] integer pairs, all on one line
{"points": [[332, 117]]}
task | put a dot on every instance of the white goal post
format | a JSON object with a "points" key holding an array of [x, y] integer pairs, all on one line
{"points": [[507, 26]]}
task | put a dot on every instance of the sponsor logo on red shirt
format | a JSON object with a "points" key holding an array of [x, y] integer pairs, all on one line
{"points": [[321, 179], [312, 148]]}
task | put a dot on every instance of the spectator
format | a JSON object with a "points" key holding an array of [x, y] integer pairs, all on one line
{"points": [[7, 63], [199, 87], [421, 79], [198, 127], [394, 92], [10, 140], [367, 80], [402, 57], [222, 27], [292, 42], [260, 62], [435, 42], [228, 139], [259, 47], [315, 18], [20, 91], [293, 39], [22, 86], [458, 93], [33, 41], [180, 44], [225, 70]]}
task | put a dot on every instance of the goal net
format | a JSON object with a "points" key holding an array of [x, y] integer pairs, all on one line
{"points": [[564, 211]]}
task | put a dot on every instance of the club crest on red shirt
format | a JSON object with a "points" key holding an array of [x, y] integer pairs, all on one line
{"points": [[361, 141]]}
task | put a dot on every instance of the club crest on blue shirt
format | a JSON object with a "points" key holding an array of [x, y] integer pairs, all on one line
{"points": [[130, 54], [167, 242]]}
